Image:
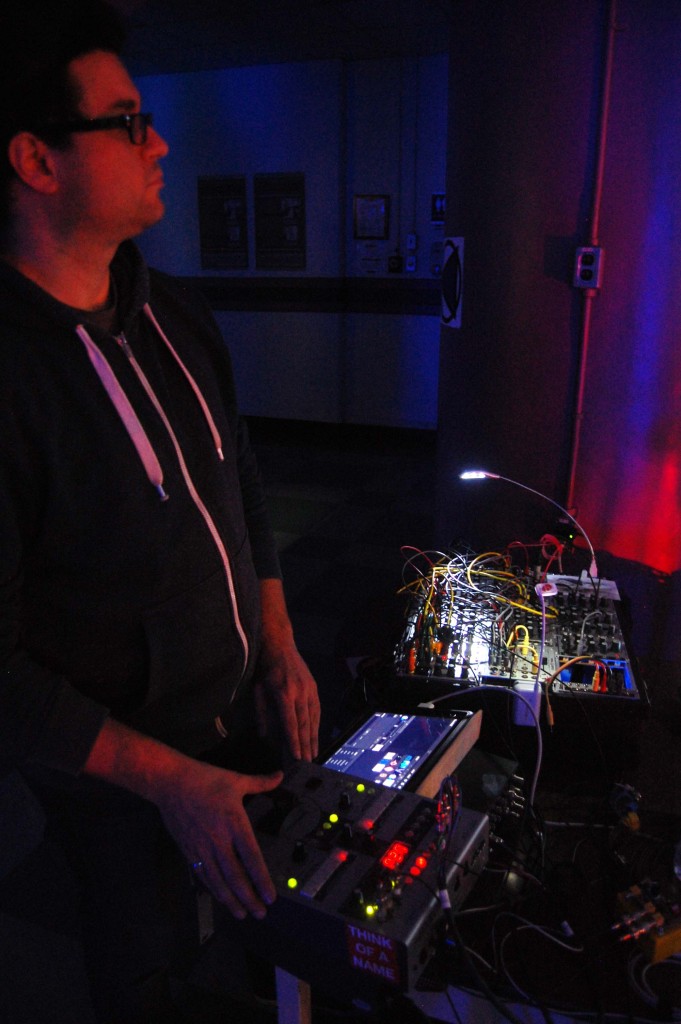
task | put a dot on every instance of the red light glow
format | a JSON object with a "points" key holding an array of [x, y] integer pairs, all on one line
{"points": [[394, 855]]}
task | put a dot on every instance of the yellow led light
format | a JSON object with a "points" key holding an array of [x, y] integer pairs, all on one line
{"points": [[333, 818], [292, 883], [370, 910], [360, 787]]}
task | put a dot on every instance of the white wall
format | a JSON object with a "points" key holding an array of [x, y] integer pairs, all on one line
{"points": [[245, 121], [362, 127], [286, 365], [397, 132]]}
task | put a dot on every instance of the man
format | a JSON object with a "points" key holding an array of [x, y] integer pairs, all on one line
{"points": [[140, 601]]}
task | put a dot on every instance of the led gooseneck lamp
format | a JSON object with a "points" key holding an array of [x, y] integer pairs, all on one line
{"points": [[483, 474]]}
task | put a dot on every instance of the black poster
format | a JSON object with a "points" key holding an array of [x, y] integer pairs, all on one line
{"points": [[223, 223], [279, 221]]}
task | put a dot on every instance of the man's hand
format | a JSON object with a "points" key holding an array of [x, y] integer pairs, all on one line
{"points": [[285, 678], [206, 817], [202, 808]]}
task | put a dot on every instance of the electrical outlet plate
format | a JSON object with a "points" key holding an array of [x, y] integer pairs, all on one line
{"points": [[588, 270]]}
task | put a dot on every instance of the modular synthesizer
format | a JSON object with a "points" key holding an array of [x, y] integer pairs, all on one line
{"points": [[478, 619]]}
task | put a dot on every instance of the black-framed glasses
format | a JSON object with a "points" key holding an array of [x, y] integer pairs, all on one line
{"points": [[136, 125]]}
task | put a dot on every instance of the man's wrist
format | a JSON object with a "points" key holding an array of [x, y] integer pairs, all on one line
{"points": [[277, 631], [127, 758]]}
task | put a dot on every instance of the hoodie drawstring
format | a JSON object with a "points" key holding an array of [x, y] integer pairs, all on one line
{"points": [[194, 386], [126, 412]]}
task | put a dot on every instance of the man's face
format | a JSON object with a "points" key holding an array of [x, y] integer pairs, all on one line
{"points": [[110, 188]]}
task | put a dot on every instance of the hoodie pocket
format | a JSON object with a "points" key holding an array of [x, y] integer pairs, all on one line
{"points": [[196, 663]]}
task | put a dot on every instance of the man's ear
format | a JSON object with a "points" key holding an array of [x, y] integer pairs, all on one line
{"points": [[32, 160]]}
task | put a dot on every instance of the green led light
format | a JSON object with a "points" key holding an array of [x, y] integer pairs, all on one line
{"points": [[326, 825], [333, 818], [292, 883]]}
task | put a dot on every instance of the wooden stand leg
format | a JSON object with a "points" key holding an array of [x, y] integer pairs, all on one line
{"points": [[293, 999]]}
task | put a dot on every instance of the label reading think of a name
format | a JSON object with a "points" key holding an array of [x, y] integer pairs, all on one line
{"points": [[373, 953]]}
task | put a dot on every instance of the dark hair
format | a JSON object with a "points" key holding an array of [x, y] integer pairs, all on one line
{"points": [[39, 39]]}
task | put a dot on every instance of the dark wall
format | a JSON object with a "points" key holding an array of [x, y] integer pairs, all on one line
{"points": [[524, 85]]}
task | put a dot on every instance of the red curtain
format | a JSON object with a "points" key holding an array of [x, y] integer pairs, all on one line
{"points": [[628, 481]]}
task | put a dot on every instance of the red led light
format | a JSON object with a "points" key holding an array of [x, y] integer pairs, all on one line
{"points": [[413, 870], [394, 855], [421, 862]]}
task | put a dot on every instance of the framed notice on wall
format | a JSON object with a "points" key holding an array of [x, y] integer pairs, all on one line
{"points": [[279, 221], [223, 229], [371, 216]]}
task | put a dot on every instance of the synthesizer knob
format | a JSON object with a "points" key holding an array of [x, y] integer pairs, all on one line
{"points": [[299, 852], [347, 832], [344, 801], [358, 897]]}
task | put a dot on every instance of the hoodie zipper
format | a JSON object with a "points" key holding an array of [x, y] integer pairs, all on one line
{"points": [[196, 498]]}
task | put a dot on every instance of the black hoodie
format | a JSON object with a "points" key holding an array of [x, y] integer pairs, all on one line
{"points": [[122, 592]]}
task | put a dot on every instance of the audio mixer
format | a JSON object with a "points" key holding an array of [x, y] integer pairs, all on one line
{"points": [[358, 868]]}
